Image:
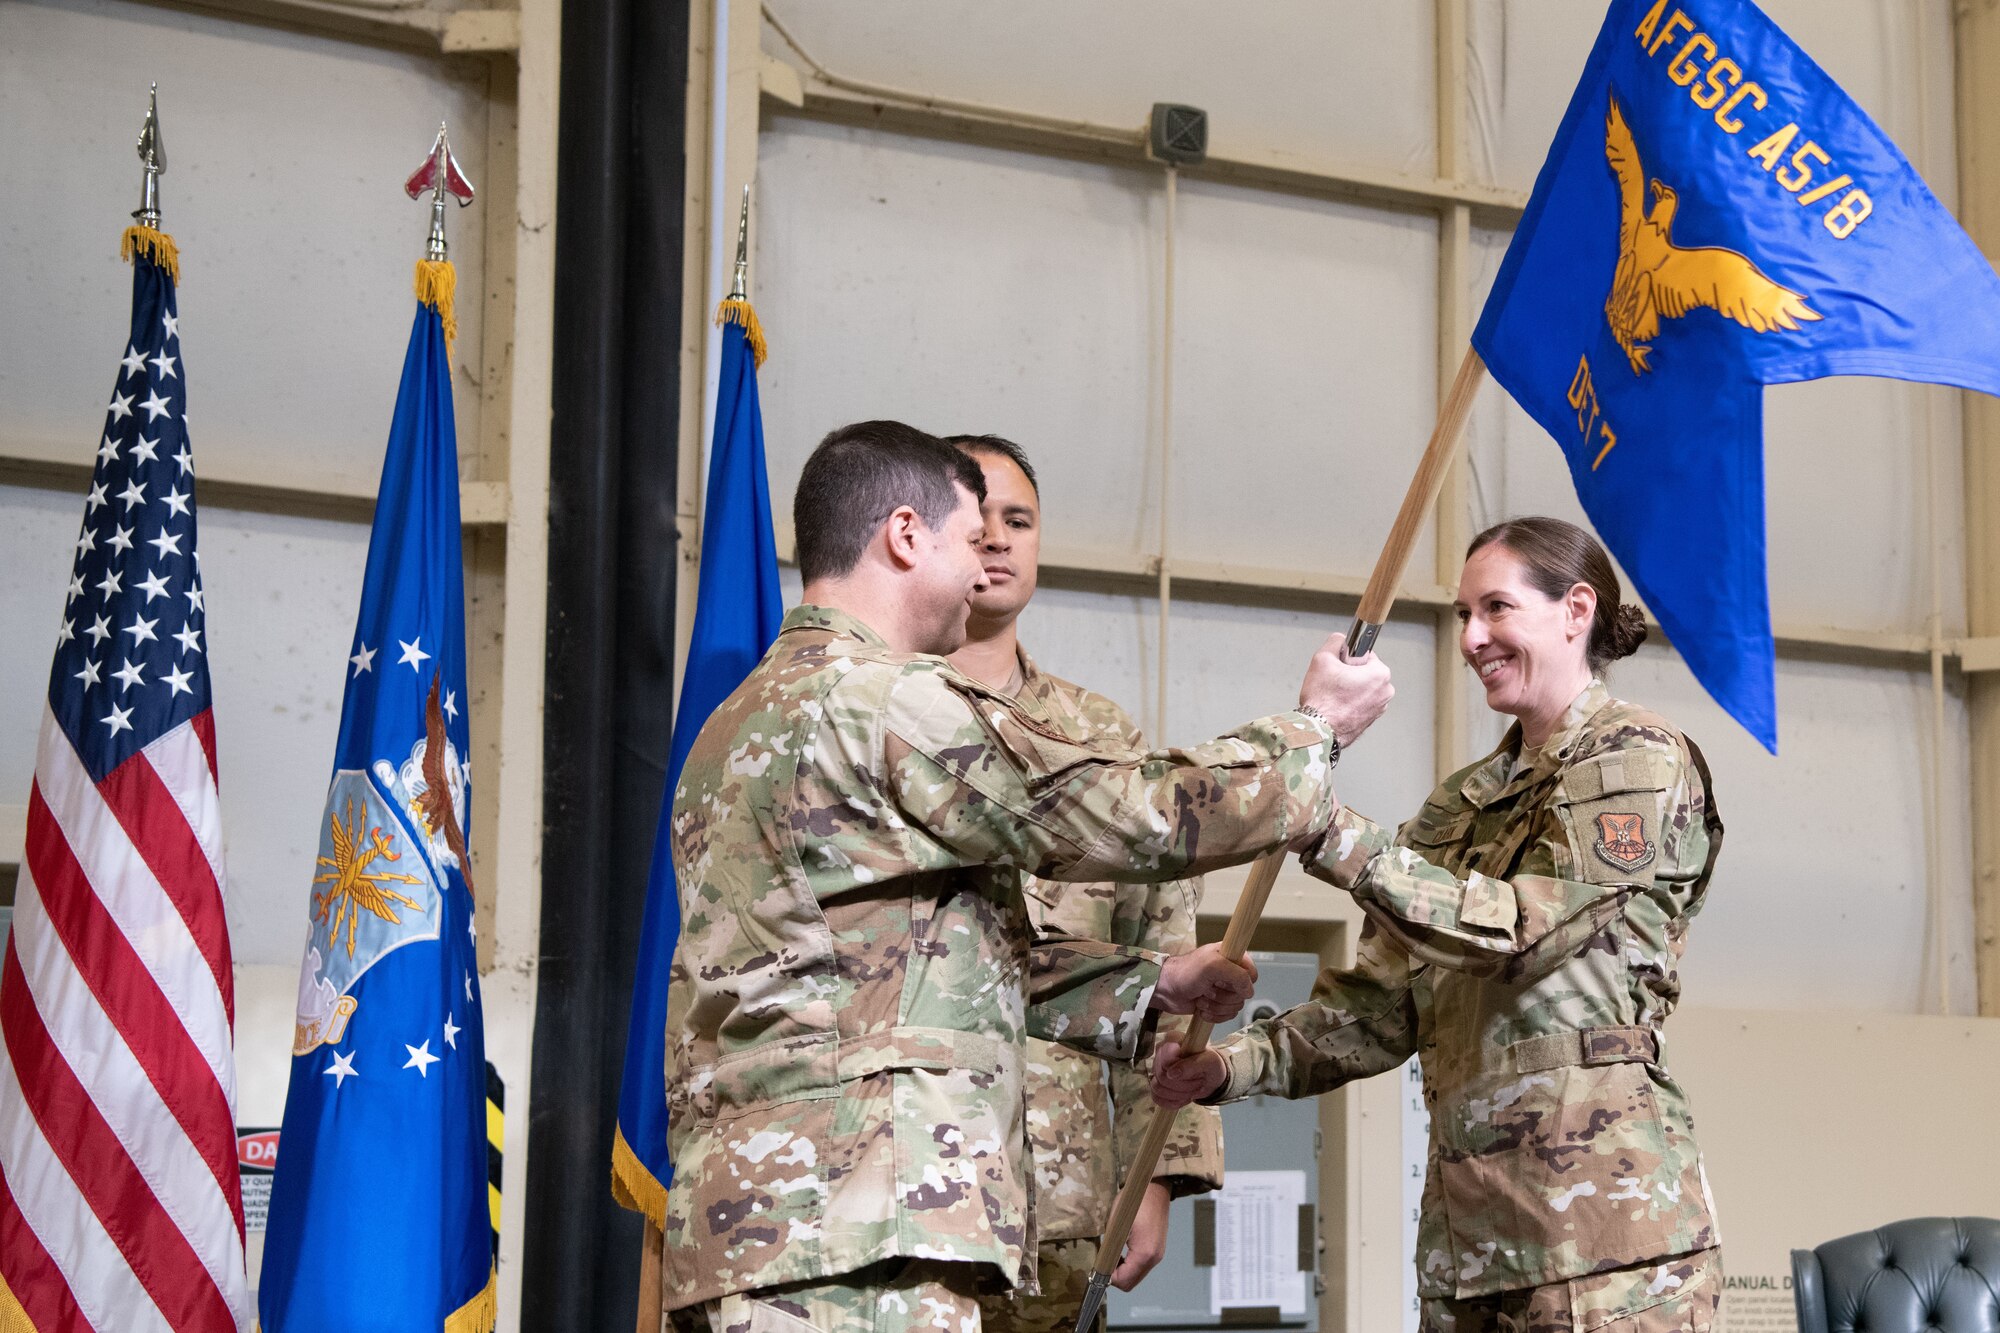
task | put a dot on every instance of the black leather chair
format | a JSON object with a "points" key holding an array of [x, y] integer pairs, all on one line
{"points": [[1926, 1275]]}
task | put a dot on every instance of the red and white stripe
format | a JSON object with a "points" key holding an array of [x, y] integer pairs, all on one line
{"points": [[120, 1206]]}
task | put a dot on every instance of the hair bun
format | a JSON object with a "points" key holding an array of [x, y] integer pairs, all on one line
{"points": [[1628, 630]]}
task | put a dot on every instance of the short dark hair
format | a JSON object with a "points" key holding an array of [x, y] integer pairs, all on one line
{"points": [[858, 476], [1560, 555], [994, 444]]}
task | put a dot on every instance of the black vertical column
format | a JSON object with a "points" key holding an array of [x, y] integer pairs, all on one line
{"points": [[620, 176]]}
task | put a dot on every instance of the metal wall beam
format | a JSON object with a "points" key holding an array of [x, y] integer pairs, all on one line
{"points": [[1121, 146], [430, 27]]}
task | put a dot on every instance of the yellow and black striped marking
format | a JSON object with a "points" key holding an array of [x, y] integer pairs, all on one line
{"points": [[496, 1119]]}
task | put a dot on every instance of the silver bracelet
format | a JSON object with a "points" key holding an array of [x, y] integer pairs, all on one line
{"points": [[1332, 735]]}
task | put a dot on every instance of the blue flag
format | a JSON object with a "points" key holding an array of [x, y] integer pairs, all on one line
{"points": [[1716, 215], [737, 610], [378, 1216]]}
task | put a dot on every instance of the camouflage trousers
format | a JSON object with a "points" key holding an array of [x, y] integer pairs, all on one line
{"points": [[1678, 1295], [896, 1296], [1064, 1267]]}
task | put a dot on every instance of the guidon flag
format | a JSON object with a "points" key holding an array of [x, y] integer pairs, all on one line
{"points": [[1716, 215]]}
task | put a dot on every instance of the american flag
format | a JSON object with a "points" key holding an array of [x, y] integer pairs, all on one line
{"points": [[120, 1204]]}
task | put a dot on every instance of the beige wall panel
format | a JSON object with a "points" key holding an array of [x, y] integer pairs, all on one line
{"points": [[964, 289], [971, 289], [1892, 56], [37, 532], [1815, 1126], [283, 593], [1229, 664], [1521, 65], [1227, 661], [1304, 366], [1343, 81], [286, 156], [1819, 899], [1847, 494], [1108, 642]]}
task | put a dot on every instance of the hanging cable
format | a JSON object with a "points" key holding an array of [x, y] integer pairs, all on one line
{"points": [[1166, 454]]}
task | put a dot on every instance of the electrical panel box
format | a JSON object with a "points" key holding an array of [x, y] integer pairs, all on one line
{"points": [[1247, 1256]]}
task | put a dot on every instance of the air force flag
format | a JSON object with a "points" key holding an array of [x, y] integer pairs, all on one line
{"points": [[378, 1217]]}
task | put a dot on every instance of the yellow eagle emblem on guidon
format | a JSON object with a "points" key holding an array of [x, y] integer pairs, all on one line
{"points": [[1657, 279]]}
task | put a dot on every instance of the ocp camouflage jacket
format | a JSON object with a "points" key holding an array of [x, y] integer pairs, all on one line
{"points": [[1523, 939], [1070, 1117], [854, 982]]}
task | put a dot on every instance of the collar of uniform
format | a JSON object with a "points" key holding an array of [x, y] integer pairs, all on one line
{"points": [[832, 619], [1562, 743], [1490, 778], [1034, 681]]}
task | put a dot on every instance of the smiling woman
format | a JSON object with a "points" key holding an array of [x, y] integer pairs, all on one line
{"points": [[1523, 939]]}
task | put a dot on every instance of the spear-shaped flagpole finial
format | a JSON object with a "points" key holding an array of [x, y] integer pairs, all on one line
{"points": [[735, 307], [153, 154], [435, 248], [440, 175], [739, 290]]}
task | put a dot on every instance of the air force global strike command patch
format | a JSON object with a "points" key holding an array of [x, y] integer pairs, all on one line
{"points": [[1621, 841]]}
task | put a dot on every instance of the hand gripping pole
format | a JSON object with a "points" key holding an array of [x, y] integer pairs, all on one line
{"points": [[1235, 942], [1369, 617]]}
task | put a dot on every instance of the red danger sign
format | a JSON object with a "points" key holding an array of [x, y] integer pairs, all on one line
{"points": [[257, 1149]]}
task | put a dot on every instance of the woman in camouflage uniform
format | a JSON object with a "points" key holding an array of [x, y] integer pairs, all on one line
{"points": [[1523, 938]]}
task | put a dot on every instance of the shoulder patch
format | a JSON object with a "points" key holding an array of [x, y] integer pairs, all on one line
{"points": [[1621, 840]]}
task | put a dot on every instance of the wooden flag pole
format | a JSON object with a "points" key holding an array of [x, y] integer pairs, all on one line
{"points": [[651, 1294], [1369, 617]]}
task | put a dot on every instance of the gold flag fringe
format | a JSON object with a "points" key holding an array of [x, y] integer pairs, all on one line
{"points": [[633, 1186], [155, 245], [13, 1319], [736, 310], [482, 1312], [437, 283]]}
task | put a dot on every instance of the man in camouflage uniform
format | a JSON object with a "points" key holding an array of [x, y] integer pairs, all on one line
{"points": [[1070, 1117], [854, 983], [1523, 939]]}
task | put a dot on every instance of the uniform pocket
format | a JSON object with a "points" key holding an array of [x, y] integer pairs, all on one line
{"points": [[1556, 1172], [1434, 828], [960, 1164], [752, 1186], [1678, 1295], [758, 1079], [768, 1318]]}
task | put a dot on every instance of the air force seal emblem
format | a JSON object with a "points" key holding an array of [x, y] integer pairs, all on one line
{"points": [[392, 835], [375, 892]]}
